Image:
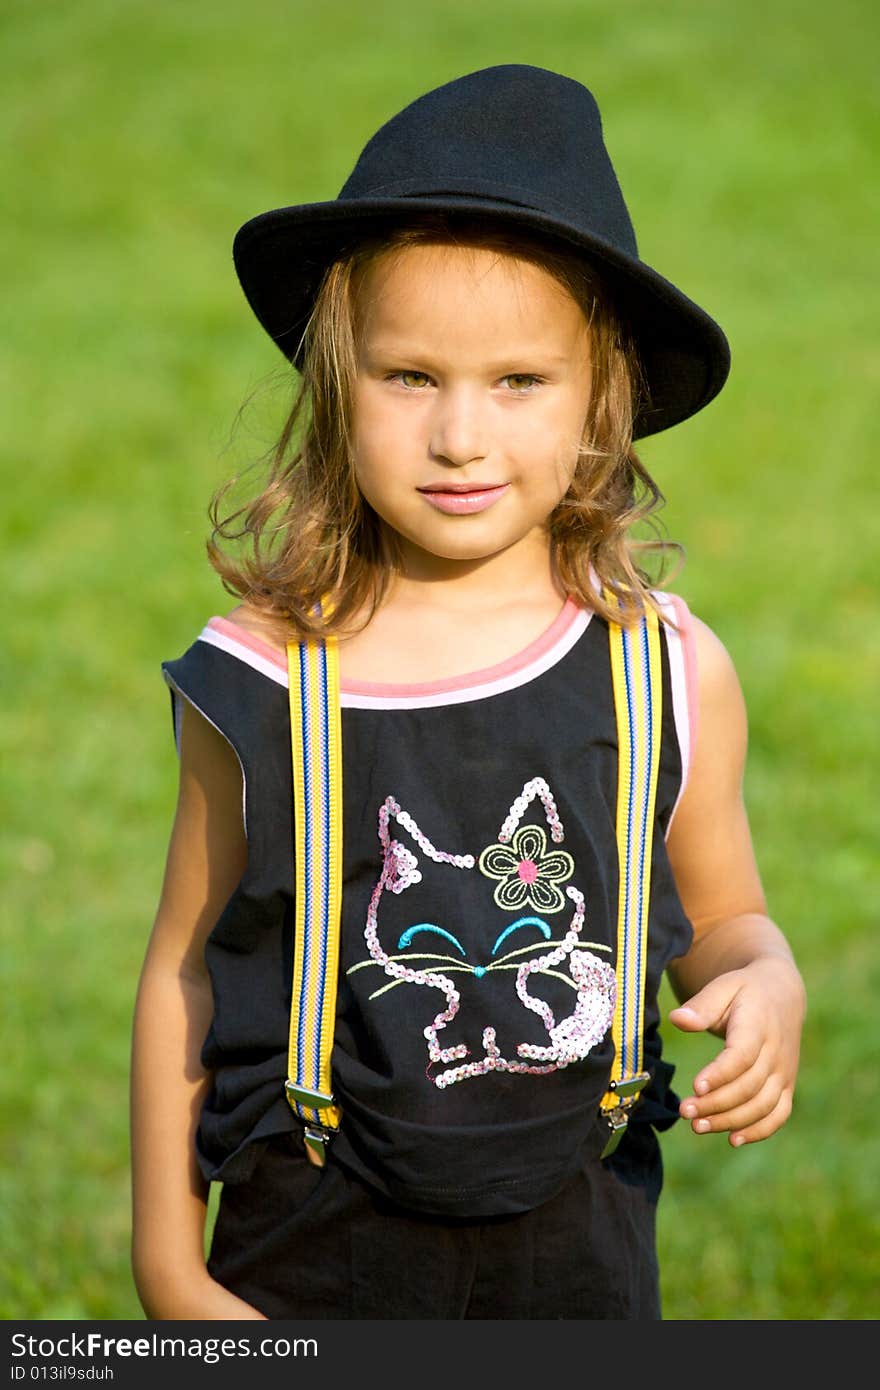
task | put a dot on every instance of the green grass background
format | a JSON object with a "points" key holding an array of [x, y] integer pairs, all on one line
{"points": [[137, 137]]}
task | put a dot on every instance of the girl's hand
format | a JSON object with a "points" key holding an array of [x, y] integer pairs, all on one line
{"points": [[759, 1011]]}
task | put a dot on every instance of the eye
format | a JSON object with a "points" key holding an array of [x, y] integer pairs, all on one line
{"points": [[410, 932], [412, 381], [521, 383], [523, 922]]}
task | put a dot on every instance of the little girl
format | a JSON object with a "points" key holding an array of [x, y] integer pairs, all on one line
{"points": [[457, 785]]}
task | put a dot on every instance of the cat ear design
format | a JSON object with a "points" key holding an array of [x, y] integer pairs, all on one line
{"points": [[535, 787], [401, 864]]}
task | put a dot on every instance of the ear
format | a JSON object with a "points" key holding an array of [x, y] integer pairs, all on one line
{"points": [[536, 786], [401, 864]]}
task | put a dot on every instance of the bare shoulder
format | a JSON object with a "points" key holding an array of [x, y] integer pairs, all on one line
{"points": [[715, 669], [721, 705], [259, 624]]}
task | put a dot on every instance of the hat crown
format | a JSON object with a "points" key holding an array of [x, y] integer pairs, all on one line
{"points": [[514, 133]]}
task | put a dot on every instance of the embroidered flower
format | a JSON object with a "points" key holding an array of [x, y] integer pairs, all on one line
{"points": [[528, 873]]}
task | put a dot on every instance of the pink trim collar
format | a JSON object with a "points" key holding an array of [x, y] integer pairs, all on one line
{"points": [[384, 689]]}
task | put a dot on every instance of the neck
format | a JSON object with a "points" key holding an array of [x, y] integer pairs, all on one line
{"points": [[525, 574]]}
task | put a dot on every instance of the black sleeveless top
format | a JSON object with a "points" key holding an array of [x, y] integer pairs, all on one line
{"points": [[495, 795]]}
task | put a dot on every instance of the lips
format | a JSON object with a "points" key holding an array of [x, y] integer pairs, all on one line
{"points": [[460, 487], [463, 499]]}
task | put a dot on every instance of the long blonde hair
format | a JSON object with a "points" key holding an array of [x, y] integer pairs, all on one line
{"points": [[310, 533]]}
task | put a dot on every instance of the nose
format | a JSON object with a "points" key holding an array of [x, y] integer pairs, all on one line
{"points": [[459, 428]]}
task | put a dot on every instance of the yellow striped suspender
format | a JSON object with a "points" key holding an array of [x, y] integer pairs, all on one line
{"points": [[316, 746], [638, 695]]}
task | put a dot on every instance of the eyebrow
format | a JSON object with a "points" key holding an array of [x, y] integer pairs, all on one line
{"points": [[406, 352]]}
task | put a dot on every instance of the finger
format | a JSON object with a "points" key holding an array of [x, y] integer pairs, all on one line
{"points": [[708, 1007], [740, 1117], [747, 1034], [765, 1127], [738, 1091], [738, 1056]]}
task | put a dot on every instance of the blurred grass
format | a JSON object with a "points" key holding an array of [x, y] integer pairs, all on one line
{"points": [[138, 136]]}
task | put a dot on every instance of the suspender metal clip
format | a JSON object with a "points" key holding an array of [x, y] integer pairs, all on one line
{"points": [[316, 1136], [305, 1095], [316, 1139], [627, 1093]]}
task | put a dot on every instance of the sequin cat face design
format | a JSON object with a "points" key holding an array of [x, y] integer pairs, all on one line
{"points": [[527, 876]]}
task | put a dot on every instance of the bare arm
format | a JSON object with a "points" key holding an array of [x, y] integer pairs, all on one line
{"points": [[739, 979], [206, 857]]}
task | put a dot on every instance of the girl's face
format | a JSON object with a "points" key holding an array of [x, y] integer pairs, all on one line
{"points": [[473, 377]]}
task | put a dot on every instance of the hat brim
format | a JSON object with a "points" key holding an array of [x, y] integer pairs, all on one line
{"points": [[281, 256]]}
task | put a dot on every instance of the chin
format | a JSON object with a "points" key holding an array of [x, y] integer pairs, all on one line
{"points": [[464, 550]]}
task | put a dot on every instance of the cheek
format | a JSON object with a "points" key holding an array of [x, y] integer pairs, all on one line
{"points": [[376, 457], [369, 440], [572, 433], [558, 418], [367, 476], [376, 425], [554, 437]]}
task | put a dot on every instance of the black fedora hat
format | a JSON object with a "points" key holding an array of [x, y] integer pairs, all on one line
{"points": [[512, 142]]}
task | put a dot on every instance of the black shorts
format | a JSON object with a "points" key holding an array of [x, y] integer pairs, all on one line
{"points": [[297, 1241]]}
